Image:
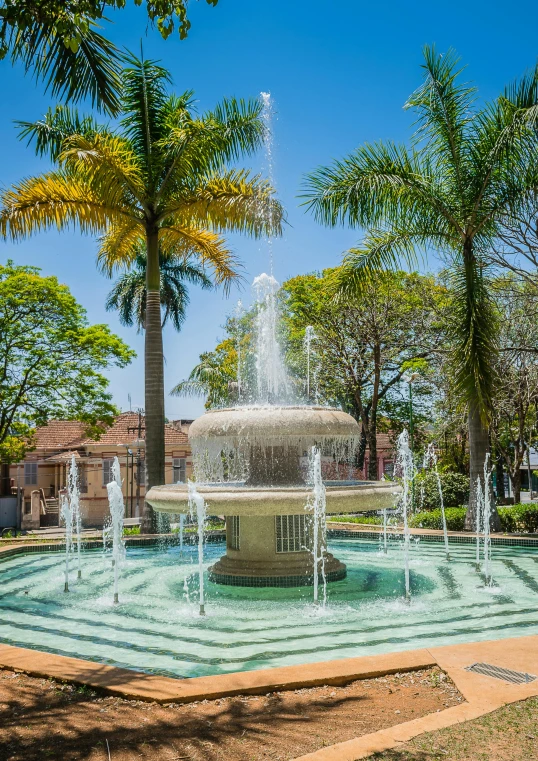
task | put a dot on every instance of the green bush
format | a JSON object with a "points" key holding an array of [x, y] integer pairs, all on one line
{"points": [[519, 518], [455, 488], [432, 519], [131, 531]]}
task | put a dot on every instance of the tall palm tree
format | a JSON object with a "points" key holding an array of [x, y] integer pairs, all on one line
{"points": [[158, 179], [466, 170], [128, 296]]}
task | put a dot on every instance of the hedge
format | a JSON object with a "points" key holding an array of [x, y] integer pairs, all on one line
{"points": [[455, 519], [516, 518]]}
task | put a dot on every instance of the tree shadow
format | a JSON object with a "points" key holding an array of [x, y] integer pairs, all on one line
{"points": [[44, 720]]}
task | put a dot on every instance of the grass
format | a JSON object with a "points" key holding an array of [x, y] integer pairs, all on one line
{"points": [[509, 734]]}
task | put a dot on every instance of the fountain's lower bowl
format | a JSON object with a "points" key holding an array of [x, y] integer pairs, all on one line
{"points": [[234, 499]]}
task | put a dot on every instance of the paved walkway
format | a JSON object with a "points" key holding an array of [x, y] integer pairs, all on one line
{"points": [[483, 694]]}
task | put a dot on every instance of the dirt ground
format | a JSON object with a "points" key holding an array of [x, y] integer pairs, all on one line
{"points": [[509, 734], [42, 719]]}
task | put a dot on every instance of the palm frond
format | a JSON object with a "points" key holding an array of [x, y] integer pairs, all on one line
{"points": [[107, 163], [231, 201], [87, 70], [443, 105], [120, 246], [384, 250], [57, 199], [60, 122], [208, 247], [144, 104], [474, 333]]}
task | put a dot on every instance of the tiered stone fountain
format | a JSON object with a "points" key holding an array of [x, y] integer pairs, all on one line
{"points": [[251, 466]]}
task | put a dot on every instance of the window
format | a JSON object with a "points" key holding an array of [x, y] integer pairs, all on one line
{"points": [[290, 533], [388, 470], [180, 470], [108, 474], [30, 473], [232, 531], [82, 480]]}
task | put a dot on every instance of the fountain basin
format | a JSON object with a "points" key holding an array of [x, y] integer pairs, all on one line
{"points": [[233, 499]]}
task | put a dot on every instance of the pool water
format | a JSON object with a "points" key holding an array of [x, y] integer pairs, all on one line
{"points": [[156, 626]]}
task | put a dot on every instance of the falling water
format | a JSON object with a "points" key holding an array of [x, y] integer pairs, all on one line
{"points": [[405, 462], [317, 506], [487, 519], [74, 501], [479, 518], [67, 517], [385, 548], [197, 506], [271, 377], [115, 501], [267, 117], [239, 314], [430, 459], [309, 336], [181, 530]]}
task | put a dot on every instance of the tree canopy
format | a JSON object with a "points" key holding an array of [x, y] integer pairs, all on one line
{"points": [[59, 41], [52, 360]]}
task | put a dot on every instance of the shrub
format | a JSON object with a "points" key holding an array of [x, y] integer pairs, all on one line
{"points": [[455, 488], [521, 517], [455, 519], [131, 531]]}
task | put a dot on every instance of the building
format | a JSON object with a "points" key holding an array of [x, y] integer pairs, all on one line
{"points": [[42, 477]]}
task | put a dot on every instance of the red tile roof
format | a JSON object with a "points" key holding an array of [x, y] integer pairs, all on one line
{"points": [[70, 435], [60, 434], [124, 430]]}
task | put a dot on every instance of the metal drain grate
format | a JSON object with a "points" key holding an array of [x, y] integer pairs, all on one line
{"points": [[514, 677]]}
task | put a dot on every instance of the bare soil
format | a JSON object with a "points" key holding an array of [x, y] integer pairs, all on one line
{"points": [[42, 719], [509, 734]]}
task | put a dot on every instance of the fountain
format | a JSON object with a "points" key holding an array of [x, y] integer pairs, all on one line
{"points": [[406, 464], [430, 458], [66, 515], [117, 509], [252, 467], [73, 492]]}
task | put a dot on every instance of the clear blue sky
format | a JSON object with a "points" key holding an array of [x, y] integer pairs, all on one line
{"points": [[339, 73]]}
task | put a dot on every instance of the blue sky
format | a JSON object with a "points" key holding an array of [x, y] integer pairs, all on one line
{"points": [[339, 74]]}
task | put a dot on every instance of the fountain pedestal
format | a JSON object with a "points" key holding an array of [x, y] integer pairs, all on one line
{"points": [[255, 555]]}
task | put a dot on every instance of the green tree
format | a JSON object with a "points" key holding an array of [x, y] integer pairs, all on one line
{"points": [[58, 41], [215, 376], [363, 348], [468, 169], [128, 296], [52, 360], [514, 418], [157, 180]]}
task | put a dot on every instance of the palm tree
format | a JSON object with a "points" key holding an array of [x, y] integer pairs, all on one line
{"points": [[466, 171], [128, 296], [158, 179]]}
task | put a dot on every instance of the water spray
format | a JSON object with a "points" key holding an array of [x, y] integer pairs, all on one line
{"points": [[430, 459], [73, 490], [197, 506]]}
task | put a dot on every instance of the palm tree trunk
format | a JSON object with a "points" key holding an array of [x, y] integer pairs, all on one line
{"points": [[478, 449], [154, 378]]}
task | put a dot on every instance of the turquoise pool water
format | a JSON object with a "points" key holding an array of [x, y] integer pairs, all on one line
{"points": [[156, 627]]}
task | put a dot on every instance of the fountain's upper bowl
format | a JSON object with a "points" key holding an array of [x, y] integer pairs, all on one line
{"points": [[274, 423]]}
